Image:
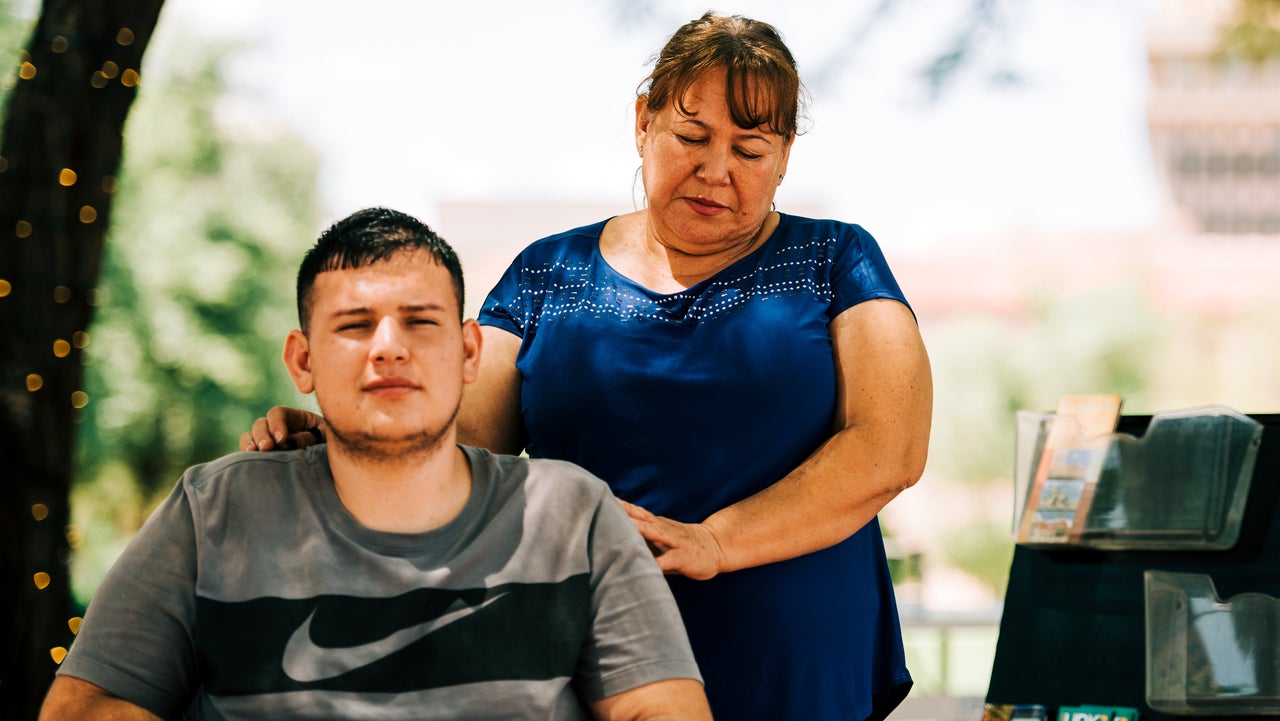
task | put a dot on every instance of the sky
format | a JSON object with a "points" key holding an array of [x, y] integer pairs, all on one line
{"points": [[414, 104]]}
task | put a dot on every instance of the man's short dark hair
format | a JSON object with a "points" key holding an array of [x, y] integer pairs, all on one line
{"points": [[371, 236]]}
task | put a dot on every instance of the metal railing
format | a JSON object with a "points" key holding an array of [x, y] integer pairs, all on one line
{"points": [[950, 656]]}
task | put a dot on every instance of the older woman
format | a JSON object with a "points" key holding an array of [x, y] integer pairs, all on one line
{"points": [[751, 384]]}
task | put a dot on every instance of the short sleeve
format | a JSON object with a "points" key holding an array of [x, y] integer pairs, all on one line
{"points": [[503, 307], [637, 636], [136, 640], [859, 272]]}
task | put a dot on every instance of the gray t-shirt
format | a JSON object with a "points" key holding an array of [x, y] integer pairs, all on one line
{"points": [[252, 593]]}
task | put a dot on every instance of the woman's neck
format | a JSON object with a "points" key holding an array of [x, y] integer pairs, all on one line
{"points": [[636, 250]]}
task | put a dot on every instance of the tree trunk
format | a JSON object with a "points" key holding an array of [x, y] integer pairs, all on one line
{"points": [[60, 154]]}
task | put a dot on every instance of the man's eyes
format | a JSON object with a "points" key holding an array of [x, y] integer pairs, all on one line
{"points": [[361, 325]]}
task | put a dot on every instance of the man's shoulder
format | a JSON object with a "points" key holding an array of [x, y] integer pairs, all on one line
{"points": [[245, 466], [543, 475]]}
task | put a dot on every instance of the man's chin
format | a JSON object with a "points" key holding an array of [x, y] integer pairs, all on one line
{"points": [[386, 447]]}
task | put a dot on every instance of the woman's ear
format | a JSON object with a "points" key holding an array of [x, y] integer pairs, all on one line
{"points": [[643, 116], [297, 358]]}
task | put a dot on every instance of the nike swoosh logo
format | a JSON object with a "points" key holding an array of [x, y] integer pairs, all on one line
{"points": [[304, 661]]}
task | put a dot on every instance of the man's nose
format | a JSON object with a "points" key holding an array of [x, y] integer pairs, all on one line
{"points": [[388, 342]]}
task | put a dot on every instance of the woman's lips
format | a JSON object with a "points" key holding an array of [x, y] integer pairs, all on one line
{"points": [[702, 206]]}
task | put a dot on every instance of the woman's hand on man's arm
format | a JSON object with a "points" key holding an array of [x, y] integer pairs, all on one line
{"points": [[884, 412]]}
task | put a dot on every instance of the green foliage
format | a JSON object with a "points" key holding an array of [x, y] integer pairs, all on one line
{"points": [[1253, 34], [215, 207], [13, 37], [986, 368], [984, 550]]}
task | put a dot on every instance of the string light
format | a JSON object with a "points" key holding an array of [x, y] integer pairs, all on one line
{"points": [[79, 399], [74, 624], [61, 348], [4, 164], [109, 184], [88, 214], [130, 78], [34, 382], [5, 288], [98, 80], [39, 511], [61, 294], [27, 71], [58, 653], [110, 69], [80, 339], [67, 177], [59, 44], [42, 580], [124, 37], [22, 229], [94, 298], [73, 537]]}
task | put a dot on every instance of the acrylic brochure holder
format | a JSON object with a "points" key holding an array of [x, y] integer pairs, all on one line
{"points": [[1207, 656], [1076, 625], [1181, 485]]}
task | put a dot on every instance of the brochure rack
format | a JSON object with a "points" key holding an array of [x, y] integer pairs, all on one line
{"points": [[1207, 655], [1182, 484], [1074, 627]]}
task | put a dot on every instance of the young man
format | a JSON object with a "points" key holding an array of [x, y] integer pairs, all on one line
{"points": [[389, 573]]}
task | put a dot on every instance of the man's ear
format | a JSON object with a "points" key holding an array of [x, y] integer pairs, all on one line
{"points": [[472, 342], [297, 358]]}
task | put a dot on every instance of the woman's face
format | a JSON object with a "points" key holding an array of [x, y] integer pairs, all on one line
{"points": [[709, 183]]}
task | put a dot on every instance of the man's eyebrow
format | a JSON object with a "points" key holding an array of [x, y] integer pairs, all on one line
{"points": [[349, 312], [422, 307], [409, 308]]}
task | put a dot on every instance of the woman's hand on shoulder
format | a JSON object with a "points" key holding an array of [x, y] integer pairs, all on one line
{"points": [[284, 429], [685, 549]]}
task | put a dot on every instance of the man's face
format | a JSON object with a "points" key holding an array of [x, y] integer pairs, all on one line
{"points": [[386, 355]]}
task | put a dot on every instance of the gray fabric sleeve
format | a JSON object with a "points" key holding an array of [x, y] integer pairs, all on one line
{"points": [[637, 636], [136, 640]]}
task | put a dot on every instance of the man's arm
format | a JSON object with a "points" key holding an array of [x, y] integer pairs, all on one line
{"points": [[677, 699], [136, 643], [636, 663], [71, 699]]}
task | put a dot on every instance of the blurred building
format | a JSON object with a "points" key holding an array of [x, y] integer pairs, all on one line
{"points": [[1214, 119]]}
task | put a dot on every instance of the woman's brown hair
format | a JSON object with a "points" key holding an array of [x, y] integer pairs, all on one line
{"points": [[762, 85]]}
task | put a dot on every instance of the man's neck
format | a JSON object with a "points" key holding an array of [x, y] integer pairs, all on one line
{"points": [[412, 493]]}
